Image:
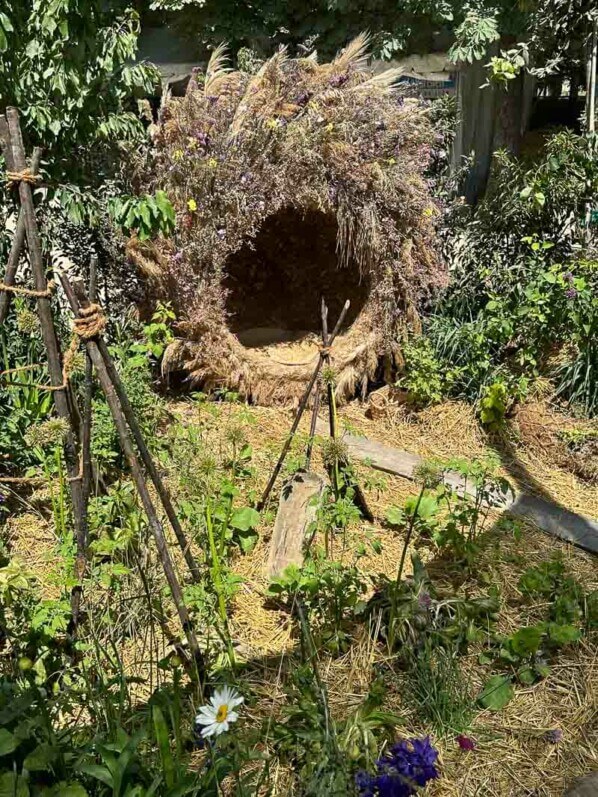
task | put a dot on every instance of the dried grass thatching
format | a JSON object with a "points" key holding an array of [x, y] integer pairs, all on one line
{"points": [[302, 180]]}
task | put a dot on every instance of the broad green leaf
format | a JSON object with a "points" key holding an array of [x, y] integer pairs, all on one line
{"points": [[70, 789], [527, 640], [245, 518], [163, 739], [8, 742], [98, 772], [13, 785], [497, 692], [247, 540], [395, 516], [563, 634], [41, 758]]}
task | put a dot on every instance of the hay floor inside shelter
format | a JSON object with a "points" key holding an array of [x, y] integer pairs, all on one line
{"points": [[513, 757]]}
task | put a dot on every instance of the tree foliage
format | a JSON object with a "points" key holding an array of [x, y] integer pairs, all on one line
{"points": [[68, 66]]}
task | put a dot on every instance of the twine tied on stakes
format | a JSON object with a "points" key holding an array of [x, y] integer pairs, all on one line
{"points": [[90, 324], [44, 294], [23, 176]]}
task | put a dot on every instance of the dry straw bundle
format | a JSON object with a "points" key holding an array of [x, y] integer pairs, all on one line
{"points": [[299, 181]]}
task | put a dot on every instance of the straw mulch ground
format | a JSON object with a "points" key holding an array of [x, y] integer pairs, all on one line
{"points": [[513, 757]]}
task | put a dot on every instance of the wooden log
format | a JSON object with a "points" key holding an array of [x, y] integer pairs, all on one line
{"points": [[558, 521], [61, 401], [136, 471], [297, 510]]}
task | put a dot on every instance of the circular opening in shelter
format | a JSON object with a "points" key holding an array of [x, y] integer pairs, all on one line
{"points": [[275, 282]]}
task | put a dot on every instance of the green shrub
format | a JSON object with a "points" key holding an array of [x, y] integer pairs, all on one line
{"points": [[424, 376]]}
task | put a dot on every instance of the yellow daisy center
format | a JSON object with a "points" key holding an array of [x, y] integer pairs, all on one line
{"points": [[222, 713]]}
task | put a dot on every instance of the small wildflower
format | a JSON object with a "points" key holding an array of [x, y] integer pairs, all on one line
{"points": [[220, 712], [192, 205], [212, 163], [27, 321], [337, 80], [568, 277], [465, 742], [272, 124], [178, 154], [406, 766], [391, 161], [50, 432], [334, 450], [428, 212], [424, 601], [571, 293], [329, 127], [2, 498], [177, 257], [554, 736], [191, 142], [221, 233]]}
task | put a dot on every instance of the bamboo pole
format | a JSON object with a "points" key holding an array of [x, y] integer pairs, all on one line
{"points": [[61, 400], [19, 233], [150, 511]]}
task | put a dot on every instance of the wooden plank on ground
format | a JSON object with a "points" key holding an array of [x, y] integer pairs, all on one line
{"points": [[296, 511], [547, 515]]}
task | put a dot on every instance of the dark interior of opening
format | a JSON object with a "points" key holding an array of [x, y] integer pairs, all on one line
{"points": [[275, 285]]}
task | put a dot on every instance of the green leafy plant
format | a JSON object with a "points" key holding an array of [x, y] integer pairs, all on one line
{"points": [[473, 36], [437, 688], [466, 509], [493, 405], [424, 378], [331, 592], [145, 216]]}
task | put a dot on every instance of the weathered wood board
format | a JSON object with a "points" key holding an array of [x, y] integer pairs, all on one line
{"points": [[547, 515], [296, 511]]}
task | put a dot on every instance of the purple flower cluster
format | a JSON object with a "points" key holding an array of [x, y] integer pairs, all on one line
{"points": [[571, 293], [303, 98], [407, 765], [465, 742], [338, 80]]}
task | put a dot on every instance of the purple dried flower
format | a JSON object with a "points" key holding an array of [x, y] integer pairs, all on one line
{"points": [[407, 765], [424, 601], [177, 257], [338, 80], [465, 742], [554, 736], [571, 293], [568, 276], [221, 233], [303, 98]]}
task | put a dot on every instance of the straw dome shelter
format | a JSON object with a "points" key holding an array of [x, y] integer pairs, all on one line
{"points": [[300, 181]]}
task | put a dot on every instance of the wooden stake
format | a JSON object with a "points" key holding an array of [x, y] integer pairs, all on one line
{"points": [[19, 234], [301, 410], [150, 511], [44, 310], [144, 452], [86, 466]]}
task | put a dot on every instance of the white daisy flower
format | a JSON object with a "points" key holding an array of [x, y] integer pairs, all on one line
{"points": [[219, 713]]}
